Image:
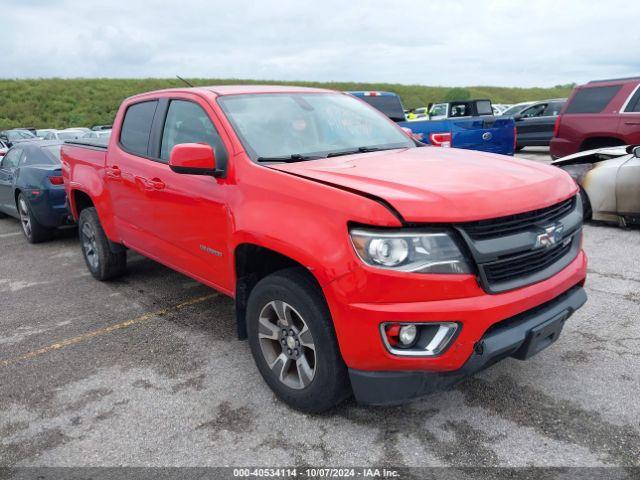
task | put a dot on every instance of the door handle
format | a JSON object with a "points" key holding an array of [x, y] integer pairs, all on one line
{"points": [[632, 123], [156, 184], [114, 172]]}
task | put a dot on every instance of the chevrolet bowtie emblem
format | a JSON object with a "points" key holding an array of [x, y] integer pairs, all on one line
{"points": [[552, 235]]}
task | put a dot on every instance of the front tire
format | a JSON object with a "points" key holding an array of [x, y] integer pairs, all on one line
{"points": [[587, 212], [102, 261], [293, 342], [33, 231]]}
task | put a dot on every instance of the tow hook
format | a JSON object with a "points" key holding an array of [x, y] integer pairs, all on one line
{"points": [[479, 348]]}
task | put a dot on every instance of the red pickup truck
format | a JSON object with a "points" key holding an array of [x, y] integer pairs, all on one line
{"points": [[360, 260]]}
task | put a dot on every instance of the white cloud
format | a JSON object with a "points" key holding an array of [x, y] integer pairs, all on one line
{"points": [[465, 42]]}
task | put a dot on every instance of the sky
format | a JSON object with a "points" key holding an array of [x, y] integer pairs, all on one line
{"points": [[446, 42]]}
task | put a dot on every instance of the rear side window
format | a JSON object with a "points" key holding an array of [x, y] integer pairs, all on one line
{"points": [[592, 100], [136, 127], [187, 122], [634, 103]]}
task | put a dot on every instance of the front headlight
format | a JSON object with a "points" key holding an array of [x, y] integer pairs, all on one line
{"points": [[409, 251]]}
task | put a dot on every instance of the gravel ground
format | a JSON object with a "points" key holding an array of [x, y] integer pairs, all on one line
{"points": [[146, 371]]}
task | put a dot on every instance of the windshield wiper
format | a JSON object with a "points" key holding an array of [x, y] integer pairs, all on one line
{"points": [[296, 157], [358, 150]]}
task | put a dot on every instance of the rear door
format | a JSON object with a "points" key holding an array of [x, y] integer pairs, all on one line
{"points": [[629, 123], [128, 165]]}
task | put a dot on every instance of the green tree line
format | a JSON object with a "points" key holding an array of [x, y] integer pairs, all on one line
{"points": [[62, 103]]}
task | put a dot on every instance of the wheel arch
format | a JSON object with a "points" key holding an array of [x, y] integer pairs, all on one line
{"points": [[253, 262], [78, 201], [600, 141]]}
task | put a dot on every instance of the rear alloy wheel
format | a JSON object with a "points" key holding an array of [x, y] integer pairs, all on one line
{"points": [[293, 342], [32, 229], [104, 259]]}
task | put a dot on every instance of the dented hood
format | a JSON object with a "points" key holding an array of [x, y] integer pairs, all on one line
{"points": [[442, 184]]}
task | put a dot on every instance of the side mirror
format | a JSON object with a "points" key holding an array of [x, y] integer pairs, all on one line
{"points": [[193, 159], [517, 117], [636, 152]]}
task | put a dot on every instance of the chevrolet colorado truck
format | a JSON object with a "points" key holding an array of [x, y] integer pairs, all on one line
{"points": [[466, 124], [360, 260]]}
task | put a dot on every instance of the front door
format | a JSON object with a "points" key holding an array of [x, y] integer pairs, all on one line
{"points": [[190, 211], [8, 168], [531, 124]]}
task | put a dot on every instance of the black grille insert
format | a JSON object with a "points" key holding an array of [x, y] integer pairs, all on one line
{"points": [[524, 265], [499, 227]]}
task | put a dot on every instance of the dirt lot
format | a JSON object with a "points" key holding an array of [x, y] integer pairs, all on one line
{"points": [[147, 371]]}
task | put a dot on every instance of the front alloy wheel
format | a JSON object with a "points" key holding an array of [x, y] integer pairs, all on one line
{"points": [[287, 344], [293, 342]]}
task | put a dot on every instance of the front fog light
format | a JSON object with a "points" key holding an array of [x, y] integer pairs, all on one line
{"points": [[408, 334], [418, 339]]}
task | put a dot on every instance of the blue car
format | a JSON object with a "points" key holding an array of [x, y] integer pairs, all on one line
{"points": [[469, 124], [32, 190]]}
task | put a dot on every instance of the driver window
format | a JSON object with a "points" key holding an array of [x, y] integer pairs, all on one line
{"points": [[534, 111], [187, 122]]}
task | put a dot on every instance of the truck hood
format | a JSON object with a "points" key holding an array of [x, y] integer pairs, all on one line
{"points": [[442, 184]]}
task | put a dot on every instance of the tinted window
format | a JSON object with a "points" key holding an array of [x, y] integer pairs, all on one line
{"points": [[11, 159], [390, 105], [187, 122], [634, 103], [592, 100], [553, 109], [136, 127], [459, 110]]}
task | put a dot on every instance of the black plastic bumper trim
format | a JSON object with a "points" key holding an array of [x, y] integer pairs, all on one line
{"points": [[509, 338]]}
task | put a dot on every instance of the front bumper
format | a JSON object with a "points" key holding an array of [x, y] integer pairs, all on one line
{"points": [[520, 337], [362, 300]]}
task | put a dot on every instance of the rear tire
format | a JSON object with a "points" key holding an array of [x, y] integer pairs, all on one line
{"points": [[293, 343], [102, 261], [33, 231]]}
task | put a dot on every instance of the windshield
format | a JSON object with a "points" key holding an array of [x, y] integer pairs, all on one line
{"points": [[308, 124], [19, 135]]}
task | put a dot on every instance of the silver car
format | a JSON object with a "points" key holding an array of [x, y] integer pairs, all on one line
{"points": [[609, 180]]}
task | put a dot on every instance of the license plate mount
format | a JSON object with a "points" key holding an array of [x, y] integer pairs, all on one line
{"points": [[541, 336]]}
